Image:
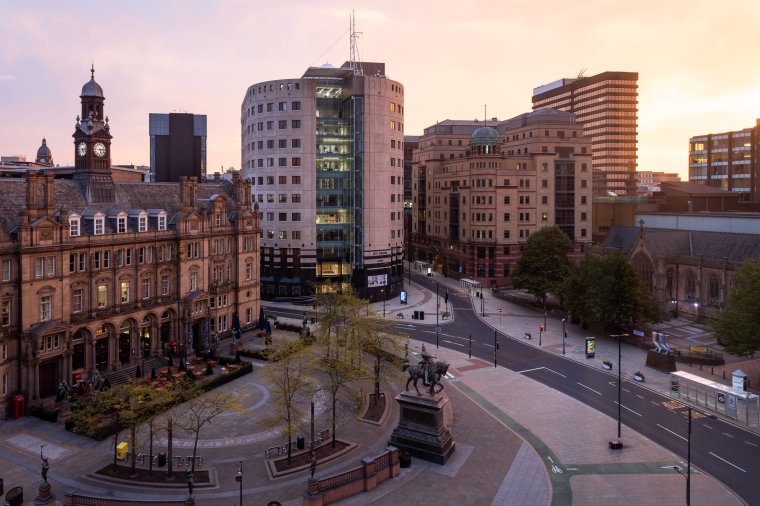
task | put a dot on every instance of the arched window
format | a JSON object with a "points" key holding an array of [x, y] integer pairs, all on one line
{"points": [[691, 285], [714, 287]]}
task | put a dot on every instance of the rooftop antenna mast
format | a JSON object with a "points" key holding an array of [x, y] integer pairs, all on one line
{"points": [[354, 62], [485, 114]]}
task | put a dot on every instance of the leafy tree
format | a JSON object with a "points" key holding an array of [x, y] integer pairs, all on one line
{"points": [[202, 410], [739, 324], [384, 345], [544, 264], [607, 290], [290, 382]]}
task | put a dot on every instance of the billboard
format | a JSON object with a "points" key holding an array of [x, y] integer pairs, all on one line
{"points": [[375, 281], [590, 347]]}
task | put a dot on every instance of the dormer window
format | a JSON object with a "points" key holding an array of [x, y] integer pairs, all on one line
{"points": [[142, 223], [99, 226], [162, 222], [74, 226], [121, 224], [218, 219]]}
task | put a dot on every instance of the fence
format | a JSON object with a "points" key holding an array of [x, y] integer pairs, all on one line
{"points": [[364, 478], [276, 451], [72, 498]]}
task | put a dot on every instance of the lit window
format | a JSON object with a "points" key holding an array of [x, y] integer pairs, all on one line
{"points": [[102, 295], [124, 291]]}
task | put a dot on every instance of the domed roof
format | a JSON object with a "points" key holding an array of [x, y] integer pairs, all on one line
{"points": [[485, 136], [91, 88], [44, 151]]}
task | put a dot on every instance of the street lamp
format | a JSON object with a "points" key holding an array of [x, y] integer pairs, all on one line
{"points": [[563, 335], [688, 460], [382, 290], [437, 305], [696, 311], [239, 479], [620, 379]]}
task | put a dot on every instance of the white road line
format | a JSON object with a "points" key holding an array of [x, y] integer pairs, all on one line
{"points": [[728, 435], [588, 387], [626, 390], [452, 342], [707, 426], [629, 409], [555, 372], [639, 396], [530, 370], [753, 444], [677, 435], [727, 462]]}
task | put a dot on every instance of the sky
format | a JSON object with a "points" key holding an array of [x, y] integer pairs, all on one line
{"points": [[696, 59]]}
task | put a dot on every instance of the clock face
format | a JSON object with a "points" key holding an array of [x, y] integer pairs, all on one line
{"points": [[99, 149], [82, 148]]}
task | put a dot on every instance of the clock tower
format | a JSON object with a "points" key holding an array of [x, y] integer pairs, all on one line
{"points": [[92, 145]]}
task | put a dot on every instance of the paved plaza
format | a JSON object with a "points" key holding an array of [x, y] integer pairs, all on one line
{"points": [[518, 442]]}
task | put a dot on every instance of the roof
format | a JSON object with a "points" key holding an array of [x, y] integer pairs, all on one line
{"points": [[485, 136], [736, 248]]}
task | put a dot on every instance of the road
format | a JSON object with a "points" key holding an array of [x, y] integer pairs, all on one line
{"points": [[721, 449]]}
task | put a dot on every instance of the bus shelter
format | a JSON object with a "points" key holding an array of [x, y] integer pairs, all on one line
{"points": [[470, 285], [734, 403]]}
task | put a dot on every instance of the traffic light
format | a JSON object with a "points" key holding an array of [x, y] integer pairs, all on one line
{"points": [[541, 327], [446, 297], [565, 333], [498, 345]]}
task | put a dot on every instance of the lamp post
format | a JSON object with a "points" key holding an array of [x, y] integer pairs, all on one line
{"points": [[563, 335], [545, 327], [239, 479], [696, 311], [688, 460], [620, 377], [482, 302], [382, 291], [437, 305]]}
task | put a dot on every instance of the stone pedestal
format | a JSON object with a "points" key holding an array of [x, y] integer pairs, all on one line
{"points": [[421, 429], [44, 495], [664, 363]]}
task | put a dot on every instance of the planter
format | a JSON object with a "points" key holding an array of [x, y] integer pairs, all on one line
{"points": [[404, 459], [606, 365], [639, 377]]}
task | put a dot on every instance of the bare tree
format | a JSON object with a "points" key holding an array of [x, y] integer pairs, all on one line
{"points": [[202, 410], [384, 346], [290, 383]]}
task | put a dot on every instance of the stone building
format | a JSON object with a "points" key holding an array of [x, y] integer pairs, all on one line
{"points": [[480, 191], [99, 274]]}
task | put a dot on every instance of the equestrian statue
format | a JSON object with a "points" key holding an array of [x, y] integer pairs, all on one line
{"points": [[431, 372]]}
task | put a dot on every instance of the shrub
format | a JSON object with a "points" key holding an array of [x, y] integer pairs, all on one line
{"points": [[44, 413]]}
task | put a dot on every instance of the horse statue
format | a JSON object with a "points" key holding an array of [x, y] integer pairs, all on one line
{"points": [[430, 371]]}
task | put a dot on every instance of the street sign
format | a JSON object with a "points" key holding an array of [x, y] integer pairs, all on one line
{"points": [[438, 329], [501, 309]]}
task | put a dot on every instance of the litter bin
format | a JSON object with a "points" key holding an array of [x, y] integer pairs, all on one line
{"points": [[422, 315], [415, 315], [2, 486], [121, 451], [300, 443], [15, 497], [161, 459]]}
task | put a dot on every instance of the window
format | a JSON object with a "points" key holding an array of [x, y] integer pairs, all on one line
{"points": [[74, 227], [295, 105], [295, 161], [282, 162], [248, 315], [295, 217], [82, 262], [296, 123], [140, 255], [46, 308], [99, 230], [165, 285], [295, 179], [76, 300], [295, 143], [6, 270], [295, 234], [162, 222], [544, 199], [106, 259], [282, 143], [270, 125], [282, 106], [124, 291], [129, 256], [282, 217], [248, 271], [142, 224], [295, 198], [282, 124], [270, 105], [583, 183], [583, 199], [5, 313], [39, 268], [96, 260], [121, 225], [193, 281], [146, 288], [583, 216]]}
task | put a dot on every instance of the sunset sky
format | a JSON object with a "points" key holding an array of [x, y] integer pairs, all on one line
{"points": [[697, 63]]}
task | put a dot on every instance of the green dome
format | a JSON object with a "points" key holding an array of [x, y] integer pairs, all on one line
{"points": [[485, 136]]}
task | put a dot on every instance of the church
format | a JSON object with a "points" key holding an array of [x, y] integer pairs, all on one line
{"points": [[100, 274]]}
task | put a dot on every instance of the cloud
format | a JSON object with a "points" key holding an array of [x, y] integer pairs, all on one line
{"points": [[7, 77]]}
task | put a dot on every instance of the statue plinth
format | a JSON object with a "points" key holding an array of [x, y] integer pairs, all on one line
{"points": [[664, 363], [422, 430], [44, 495]]}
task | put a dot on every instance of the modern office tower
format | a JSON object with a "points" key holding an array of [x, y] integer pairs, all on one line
{"points": [[177, 146], [607, 106], [325, 154], [411, 142], [100, 275], [482, 190], [729, 160]]}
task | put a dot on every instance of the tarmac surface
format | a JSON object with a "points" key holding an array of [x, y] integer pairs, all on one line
{"points": [[518, 442]]}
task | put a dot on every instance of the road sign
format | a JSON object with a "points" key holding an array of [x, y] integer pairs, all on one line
{"points": [[501, 309], [438, 329]]}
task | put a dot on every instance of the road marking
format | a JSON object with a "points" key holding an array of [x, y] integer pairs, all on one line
{"points": [[452, 342], [571, 469], [677, 435], [595, 391], [655, 403], [626, 390], [555, 372], [530, 370], [728, 435], [708, 426], [639, 396], [629, 409], [753, 444], [727, 462]]}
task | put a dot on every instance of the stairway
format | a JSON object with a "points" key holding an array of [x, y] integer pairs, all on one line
{"points": [[127, 373]]}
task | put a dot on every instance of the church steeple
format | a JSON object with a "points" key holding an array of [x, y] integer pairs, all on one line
{"points": [[92, 145]]}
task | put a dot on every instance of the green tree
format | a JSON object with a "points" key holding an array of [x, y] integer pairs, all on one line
{"points": [[290, 382], [380, 341], [544, 264], [608, 291], [739, 324]]}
